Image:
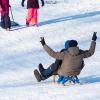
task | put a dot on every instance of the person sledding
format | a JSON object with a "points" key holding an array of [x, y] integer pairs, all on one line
{"points": [[72, 60], [5, 19], [44, 74], [32, 16]]}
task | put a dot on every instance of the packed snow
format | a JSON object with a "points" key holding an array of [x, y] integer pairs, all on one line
{"points": [[21, 50]]}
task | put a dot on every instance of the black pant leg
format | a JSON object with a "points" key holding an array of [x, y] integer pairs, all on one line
{"points": [[2, 22], [7, 21]]}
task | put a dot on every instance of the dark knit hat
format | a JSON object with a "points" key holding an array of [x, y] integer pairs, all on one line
{"points": [[70, 43], [73, 43]]}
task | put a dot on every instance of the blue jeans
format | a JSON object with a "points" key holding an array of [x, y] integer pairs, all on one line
{"points": [[49, 71]]}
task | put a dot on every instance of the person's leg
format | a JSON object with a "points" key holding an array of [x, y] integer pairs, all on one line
{"points": [[49, 71], [29, 16], [53, 78], [2, 22], [7, 21], [35, 15]]}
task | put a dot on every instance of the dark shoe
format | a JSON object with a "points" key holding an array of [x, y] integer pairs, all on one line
{"points": [[35, 25], [37, 75], [27, 24], [7, 29], [41, 69]]}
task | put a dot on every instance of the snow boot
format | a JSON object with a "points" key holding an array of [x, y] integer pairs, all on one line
{"points": [[41, 68], [37, 75]]}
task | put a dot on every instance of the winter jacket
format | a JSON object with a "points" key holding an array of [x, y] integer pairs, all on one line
{"points": [[33, 3], [71, 59], [5, 6]]}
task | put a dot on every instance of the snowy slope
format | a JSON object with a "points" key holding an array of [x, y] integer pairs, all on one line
{"points": [[21, 51]]}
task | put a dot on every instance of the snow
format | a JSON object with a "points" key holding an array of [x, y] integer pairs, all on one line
{"points": [[21, 51]]}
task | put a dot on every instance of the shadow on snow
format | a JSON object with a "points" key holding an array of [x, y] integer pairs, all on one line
{"points": [[89, 14], [91, 79], [88, 80], [73, 17]]}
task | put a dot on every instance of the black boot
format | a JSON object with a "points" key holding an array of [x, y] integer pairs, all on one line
{"points": [[37, 75], [41, 69]]}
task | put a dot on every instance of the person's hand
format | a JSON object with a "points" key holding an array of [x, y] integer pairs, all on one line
{"points": [[22, 3], [94, 37], [3, 8], [9, 5], [42, 41], [42, 4]]}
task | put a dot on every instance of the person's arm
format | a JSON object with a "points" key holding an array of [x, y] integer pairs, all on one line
{"points": [[0, 2], [42, 2], [2, 5], [22, 3], [91, 50], [52, 53]]}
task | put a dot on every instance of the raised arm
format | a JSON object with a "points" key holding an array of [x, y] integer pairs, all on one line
{"points": [[91, 50], [2, 6], [52, 53]]}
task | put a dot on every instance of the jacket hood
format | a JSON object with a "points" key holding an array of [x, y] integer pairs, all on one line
{"points": [[73, 51]]}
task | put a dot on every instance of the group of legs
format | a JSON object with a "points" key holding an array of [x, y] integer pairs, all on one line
{"points": [[32, 16]]}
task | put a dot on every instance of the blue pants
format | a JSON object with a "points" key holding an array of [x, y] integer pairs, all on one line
{"points": [[64, 79], [49, 71]]}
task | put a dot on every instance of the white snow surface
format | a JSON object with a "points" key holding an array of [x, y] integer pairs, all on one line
{"points": [[21, 51]]}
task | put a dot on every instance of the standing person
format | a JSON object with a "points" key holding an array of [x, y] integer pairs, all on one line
{"points": [[32, 6], [71, 60], [5, 19]]}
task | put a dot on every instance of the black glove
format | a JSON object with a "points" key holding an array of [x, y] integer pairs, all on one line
{"points": [[94, 37], [42, 4], [42, 41], [9, 5], [22, 3]]}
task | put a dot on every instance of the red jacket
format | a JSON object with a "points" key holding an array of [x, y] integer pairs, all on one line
{"points": [[5, 6]]}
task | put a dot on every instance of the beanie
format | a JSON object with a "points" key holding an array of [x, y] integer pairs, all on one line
{"points": [[73, 43], [67, 44], [70, 43]]}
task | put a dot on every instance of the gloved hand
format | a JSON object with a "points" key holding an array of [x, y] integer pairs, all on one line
{"points": [[9, 5], [3, 8], [42, 41], [42, 4], [22, 3], [94, 37]]}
